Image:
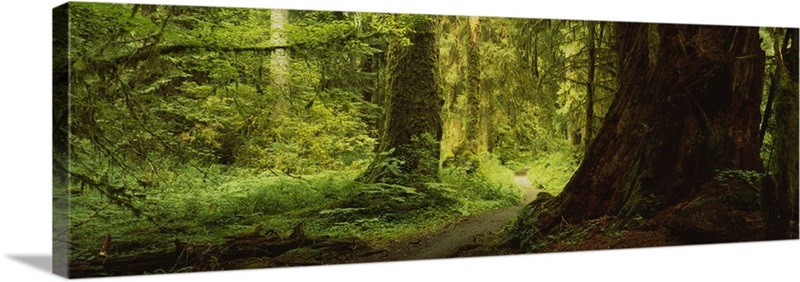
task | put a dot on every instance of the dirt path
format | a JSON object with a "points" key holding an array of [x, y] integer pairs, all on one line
{"points": [[464, 235]]}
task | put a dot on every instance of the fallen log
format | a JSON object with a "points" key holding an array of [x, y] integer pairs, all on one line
{"points": [[248, 251]]}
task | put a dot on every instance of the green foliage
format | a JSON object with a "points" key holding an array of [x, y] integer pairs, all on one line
{"points": [[198, 211], [387, 203], [158, 87], [748, 176], [739, 188], [205, 206], [552, 170], [491, 186], [173, 133]]}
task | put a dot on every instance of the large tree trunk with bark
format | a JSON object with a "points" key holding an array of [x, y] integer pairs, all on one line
{"points": [[409, 146], [473, 82], [674, 123], [479, 112], [779, 195]]}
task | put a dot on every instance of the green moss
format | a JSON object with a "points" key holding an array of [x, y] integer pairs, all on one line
{"points": [[413, 127]]}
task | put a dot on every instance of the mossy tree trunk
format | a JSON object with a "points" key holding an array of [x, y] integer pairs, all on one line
{"points": [[409, 146], [473, 83], [478, 111], [780, 200], [673, 123], [280, 63]]}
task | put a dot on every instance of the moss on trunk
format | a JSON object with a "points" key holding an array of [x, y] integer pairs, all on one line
{"points": [[409, 148], [779, 204]]}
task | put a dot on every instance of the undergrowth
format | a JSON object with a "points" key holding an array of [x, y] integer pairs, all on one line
{"points": [[552, 170], [229, 202], [490, 186]]}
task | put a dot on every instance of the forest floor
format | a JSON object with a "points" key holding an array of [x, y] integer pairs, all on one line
{"points": [[462, 238], [478, 235], [471, 236]]}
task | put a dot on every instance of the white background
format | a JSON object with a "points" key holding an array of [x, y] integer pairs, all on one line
{"points": [[25, 206]]}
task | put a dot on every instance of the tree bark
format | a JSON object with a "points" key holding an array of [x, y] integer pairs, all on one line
{"points": [[413, 125], [476, 105], [590, 86], [779, 203], [779, 49], [671, 125], [793, 69], [280, 65]]}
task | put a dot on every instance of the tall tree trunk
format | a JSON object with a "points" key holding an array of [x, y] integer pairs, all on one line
{"points": [[280, 64], [779, 199], [773, 88], [590, 85], [671, 126], [779, 49], [572, 116], [793, 69], [485, 141], [474, 140], [413, 126]]}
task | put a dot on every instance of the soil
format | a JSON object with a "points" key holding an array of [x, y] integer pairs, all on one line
{"points": [[469, 237]]}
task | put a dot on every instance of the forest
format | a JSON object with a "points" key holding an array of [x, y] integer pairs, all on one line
{"points": [[207, 138]]}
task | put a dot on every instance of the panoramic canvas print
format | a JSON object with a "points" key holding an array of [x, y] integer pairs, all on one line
{"points": [[191, 139]]}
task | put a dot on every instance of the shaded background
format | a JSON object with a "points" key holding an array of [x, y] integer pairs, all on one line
{"points": [[25, 205]]}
